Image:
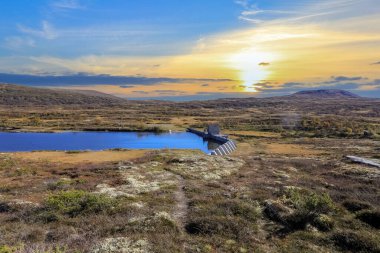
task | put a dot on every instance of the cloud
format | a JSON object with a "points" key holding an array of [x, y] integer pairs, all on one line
{"points": [[265, 85], [376, 63], [345, 83], [346, 78], [140, 92], [198, 96], [253, 14], [264, 64], [243, 3], [88, 79], [251, 20], [127, 86], [16, 42], [169, 92], [294, 84], [47, 31], [67, 5]]}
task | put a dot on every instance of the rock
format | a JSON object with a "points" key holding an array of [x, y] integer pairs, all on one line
{"points": [[205, 167], [365, 161], [111, 191], [122, 245], [138, 205], [160, 220]]}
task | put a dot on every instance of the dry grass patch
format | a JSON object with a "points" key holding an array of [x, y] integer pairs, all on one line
{"points": [[81, 157], [254, 134], [290, 149]]}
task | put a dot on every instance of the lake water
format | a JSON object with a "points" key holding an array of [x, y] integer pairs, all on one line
{"points": [[11, 142]]}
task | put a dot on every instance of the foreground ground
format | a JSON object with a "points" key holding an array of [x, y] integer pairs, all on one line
{"points": [[288, 187], [274, 194]]}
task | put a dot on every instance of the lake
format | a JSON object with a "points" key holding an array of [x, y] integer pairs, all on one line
{"points": [[12, 142]]}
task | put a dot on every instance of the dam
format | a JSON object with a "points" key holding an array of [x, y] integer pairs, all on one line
{"points": [[212, 133]]}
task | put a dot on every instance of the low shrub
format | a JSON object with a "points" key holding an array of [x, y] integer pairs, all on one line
{"points": [[47, 216], [250, 212], [75, 151], [298, 220], [310, 202], [8, 249], [355, 242], [275, 211], [231, 227], [309, 207], [75, 202], [161, 223], [371, 217], [63, 183], [323, 223], [5, 207], [355, 205]]}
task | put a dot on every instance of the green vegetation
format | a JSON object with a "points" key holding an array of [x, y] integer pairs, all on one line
{"points": [[308, 208], [309, 203], [76, 202]]}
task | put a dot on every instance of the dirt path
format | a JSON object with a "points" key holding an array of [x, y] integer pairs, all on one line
{"points": [[180, 211]]}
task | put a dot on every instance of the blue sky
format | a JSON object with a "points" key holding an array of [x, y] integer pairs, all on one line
{"points": [[111, 27], [221, 48]]}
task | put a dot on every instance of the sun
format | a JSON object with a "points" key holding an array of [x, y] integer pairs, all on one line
{"points": [[248, 63]]}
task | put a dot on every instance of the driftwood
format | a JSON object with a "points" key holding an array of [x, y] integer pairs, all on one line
{"points": [[365, 161]]}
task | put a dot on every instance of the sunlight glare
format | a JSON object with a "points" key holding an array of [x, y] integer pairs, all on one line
{"points": [[249, 64]]}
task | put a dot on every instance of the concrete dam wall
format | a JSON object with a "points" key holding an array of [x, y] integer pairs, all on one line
{"points": [[227, 146]]}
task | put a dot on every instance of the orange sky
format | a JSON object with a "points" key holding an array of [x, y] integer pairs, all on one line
{"points": [[327, 43]]}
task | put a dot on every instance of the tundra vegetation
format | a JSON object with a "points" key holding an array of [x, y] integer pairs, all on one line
{"points": [[287, 188]]}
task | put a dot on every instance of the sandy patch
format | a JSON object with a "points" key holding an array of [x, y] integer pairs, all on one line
{"points": [[180, 121], [290, 149], [254, 134], [92, 156]]}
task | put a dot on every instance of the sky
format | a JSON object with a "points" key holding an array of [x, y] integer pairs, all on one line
{"points": [[192, 49]]}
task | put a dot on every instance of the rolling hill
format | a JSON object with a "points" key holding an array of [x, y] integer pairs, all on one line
{"points": [[15, 95], [325, 94]]}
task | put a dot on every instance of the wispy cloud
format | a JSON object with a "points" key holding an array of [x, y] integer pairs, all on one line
{"points": [[243, 3], [376, 63], [16, 42], [253, 14], [75, 79], [67, 5], [310, 10], [46, 31], [335, 82]]}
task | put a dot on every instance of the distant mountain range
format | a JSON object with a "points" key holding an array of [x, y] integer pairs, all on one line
{"points": [[24, 96], [325, 94]]}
